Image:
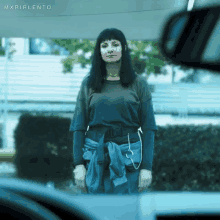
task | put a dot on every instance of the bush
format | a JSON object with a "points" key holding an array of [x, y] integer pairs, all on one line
{"points": [[43, 148], [186, 158]]}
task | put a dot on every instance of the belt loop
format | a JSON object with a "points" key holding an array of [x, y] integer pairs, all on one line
{"points": [[109, 132], [112, 134]]}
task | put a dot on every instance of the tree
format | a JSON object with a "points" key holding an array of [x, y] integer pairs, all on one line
{"points": [[2, 51], [11, 50], [149, 53], [145, 55]]}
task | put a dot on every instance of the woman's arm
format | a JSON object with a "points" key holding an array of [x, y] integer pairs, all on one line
{"points": [[148, 123], [147, 149], [78, 144], [79, 124]]}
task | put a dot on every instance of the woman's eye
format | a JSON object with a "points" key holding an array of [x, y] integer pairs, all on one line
{"points": [[115, 45]]}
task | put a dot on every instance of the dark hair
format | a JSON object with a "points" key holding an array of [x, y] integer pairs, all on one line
{"points": [[98, 72]]}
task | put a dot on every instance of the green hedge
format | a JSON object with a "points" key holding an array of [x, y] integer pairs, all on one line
{"points": [[186, 158], [44, 148]]}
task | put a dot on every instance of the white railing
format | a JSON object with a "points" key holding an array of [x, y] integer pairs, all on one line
{"points": [[187, 98], [39, 82], [39, 79]]}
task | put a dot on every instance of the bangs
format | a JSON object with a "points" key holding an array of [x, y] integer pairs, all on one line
{"points": [[110, 35]]}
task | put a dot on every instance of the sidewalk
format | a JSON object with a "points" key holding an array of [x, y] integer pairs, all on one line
{"points": [[7, 168]]}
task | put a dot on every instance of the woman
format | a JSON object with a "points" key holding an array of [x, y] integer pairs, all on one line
{"points": [[114, 102]]}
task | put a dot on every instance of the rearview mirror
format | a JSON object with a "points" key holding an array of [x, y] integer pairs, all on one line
{"points": [[192, 38]]}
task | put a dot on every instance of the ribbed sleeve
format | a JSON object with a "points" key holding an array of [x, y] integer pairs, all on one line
{"points": [[147, 122], [146, 112], [148, 149], [78, 144], [80, 118]]}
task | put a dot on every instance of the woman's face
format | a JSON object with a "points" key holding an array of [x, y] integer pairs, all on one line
{"points": [[111, 50]]}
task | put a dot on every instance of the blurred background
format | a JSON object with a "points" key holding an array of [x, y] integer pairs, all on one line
{"points": [[44, 75]]}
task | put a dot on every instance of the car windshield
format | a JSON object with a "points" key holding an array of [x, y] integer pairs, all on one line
{"points": [[41, 79]]}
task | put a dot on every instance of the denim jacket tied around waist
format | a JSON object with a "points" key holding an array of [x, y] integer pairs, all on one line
{"points": [[121, 157]]}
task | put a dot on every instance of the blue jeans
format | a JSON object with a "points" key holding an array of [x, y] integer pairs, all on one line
{"points": [[130, 187]]}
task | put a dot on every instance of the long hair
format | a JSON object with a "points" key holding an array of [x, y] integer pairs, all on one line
{"points": [[98, 71]]}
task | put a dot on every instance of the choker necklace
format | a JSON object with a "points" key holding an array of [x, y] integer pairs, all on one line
{"points": [[116, 75]]}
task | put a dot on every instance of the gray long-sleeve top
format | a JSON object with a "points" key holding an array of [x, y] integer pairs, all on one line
{"points": [[115, 105]]}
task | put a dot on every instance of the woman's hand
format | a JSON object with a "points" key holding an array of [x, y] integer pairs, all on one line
{"points": [[145, 179], [80, 177]]}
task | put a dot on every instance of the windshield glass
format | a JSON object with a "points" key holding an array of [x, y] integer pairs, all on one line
{"points": [[43, 96], [41, 72]]}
